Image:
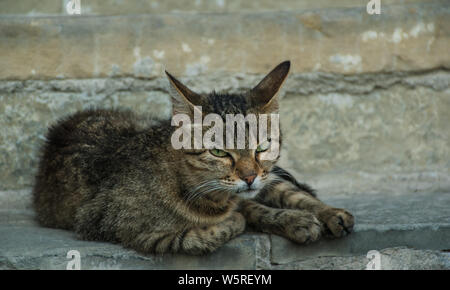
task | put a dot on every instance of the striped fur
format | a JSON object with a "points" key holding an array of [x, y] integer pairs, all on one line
{"points": [[111, 175]]}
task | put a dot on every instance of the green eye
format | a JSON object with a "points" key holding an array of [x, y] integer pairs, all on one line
{"points": [[264, 146], [218, 153]]}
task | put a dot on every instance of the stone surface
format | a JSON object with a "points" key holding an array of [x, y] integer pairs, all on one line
{"points": [[409, 230], [415, 220], [365, 105], [410, 37], [42, 7], [114, 7], [365, 133], [31, 247], [398, 258], [365, 109]]}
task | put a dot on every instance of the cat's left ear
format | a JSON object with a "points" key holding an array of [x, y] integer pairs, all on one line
{"points": [[184, 100], [264, 94]]}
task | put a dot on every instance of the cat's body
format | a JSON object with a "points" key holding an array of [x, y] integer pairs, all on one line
{"points": [[113, 176]]}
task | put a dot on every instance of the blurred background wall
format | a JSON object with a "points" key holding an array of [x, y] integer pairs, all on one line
{"points": [[366, 107]]}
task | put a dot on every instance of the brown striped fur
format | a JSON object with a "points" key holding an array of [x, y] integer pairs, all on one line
{"points": [[113, 176]]}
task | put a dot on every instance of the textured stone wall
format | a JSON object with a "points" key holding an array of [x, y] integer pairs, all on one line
{"points": [[341, 41], [366, 107]]}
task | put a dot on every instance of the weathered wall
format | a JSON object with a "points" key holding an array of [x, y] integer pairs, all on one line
{"points": [[366, 107], [341, 41]]}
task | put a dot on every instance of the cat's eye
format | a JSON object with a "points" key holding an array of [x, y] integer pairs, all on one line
{"points": [[264, 146], [218, 152]]}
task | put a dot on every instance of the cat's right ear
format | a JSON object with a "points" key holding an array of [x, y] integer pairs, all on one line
{"points": [[184, 100], [264, 94]]}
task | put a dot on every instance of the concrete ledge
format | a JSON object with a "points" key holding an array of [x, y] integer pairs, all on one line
{"points": [[419, 221], [409, 230], [410, 37], [40, 248]]}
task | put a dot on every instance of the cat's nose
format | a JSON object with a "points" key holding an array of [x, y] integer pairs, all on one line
{"points": [[249, 179]]}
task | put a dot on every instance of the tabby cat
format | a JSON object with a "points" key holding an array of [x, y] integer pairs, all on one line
{"points": [[111, 175]]}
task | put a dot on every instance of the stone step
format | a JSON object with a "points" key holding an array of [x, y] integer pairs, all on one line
{"points": [[412, 37], [383, 132], [411, 231], [114, 7], [365, 107]]}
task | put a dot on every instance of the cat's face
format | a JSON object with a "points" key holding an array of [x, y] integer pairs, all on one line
{"points": [[237, 171]]}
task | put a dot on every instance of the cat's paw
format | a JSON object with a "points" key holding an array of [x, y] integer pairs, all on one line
{"points": [[302, 227], [337, 222], [238, 223]]}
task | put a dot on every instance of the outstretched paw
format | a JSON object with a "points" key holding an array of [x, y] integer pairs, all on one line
{"points": [[301, 227], [337, 222]]}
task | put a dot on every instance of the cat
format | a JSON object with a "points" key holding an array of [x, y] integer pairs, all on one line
{"points": [[111, 175]]}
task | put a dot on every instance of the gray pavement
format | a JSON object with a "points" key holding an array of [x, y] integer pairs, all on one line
{"points": [[411, 231]]}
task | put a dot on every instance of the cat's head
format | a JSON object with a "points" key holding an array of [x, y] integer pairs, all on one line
{"points": [[240, 171]]}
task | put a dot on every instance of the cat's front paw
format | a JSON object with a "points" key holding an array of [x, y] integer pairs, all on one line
{"points": [[237, 223], [301, 227], [337, 222]]}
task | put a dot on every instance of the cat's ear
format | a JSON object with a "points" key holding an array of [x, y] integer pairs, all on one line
{"points": [[183, 99], [264, 94]]}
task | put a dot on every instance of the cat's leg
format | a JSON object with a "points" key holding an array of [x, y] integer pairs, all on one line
{"points": [[89, 220], [337, 222], [193, 241], [298, 226]]}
